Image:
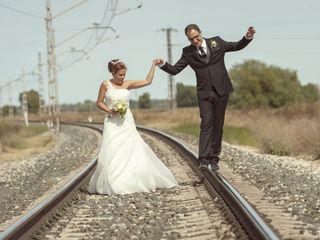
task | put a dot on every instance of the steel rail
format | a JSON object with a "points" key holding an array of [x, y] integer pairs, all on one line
{"points": [[249, 219]]}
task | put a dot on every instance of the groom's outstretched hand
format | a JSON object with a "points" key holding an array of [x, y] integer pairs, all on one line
{"points": [[159, 62], [251, 31]]}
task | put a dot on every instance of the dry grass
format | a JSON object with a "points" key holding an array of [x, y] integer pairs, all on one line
{"points": [[8, 128], [32, 146], [166, 119], [97, 116], [286, 131], [295, 137], [19, 142]]}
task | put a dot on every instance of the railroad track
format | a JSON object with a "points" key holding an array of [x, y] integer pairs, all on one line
{"points": [[204, 211]]}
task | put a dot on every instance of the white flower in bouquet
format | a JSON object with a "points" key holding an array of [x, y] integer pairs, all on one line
{"points": [[120, 106]]}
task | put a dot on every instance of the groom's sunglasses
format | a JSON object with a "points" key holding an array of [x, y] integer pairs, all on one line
{"points": [[195, 37]]}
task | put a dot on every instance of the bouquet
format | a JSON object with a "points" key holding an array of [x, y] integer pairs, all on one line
{"points": [[120, 106]]}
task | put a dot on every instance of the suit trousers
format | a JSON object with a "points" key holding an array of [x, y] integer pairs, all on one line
{"points": [[212, 112]]}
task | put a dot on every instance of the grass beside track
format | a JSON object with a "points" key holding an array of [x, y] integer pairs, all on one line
{"points": [[18, 142], [233, 135]]}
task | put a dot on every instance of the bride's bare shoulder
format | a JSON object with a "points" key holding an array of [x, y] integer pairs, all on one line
{"points": [[104, 84]]}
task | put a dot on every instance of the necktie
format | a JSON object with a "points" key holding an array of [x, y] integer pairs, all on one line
{"points": [[202, 52]]}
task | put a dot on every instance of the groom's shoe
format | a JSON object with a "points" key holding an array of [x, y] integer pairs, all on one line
{"points": [[213, 167], [203, 164]]}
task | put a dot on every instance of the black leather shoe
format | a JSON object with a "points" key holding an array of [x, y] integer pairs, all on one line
{"points": [[203, 165], [213, 167]]}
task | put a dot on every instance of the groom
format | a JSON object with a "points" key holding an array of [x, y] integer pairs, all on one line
{"points": [[206, 57]]}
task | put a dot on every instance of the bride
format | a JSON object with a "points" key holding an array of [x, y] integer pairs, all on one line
{"points": [[126, 164]]}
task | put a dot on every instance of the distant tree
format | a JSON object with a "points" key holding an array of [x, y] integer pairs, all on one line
{"points": [[257, 84], [68, 107], [5, 110], [144, 101], [186, 96], [33, 101], [86, 106], [133, 104], [311, 92]]}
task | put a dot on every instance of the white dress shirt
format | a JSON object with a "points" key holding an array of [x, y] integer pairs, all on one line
{"points": [[204, 46]]}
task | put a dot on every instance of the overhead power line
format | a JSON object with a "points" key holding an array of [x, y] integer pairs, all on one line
{"points": [[21, 11], [69, 9], [98, 31], [96, 37]]}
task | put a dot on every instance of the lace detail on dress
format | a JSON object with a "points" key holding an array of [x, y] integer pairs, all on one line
{"points": [[116, 94]]}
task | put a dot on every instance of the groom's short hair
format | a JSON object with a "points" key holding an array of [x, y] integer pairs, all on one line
{"points": [[190, 27]]}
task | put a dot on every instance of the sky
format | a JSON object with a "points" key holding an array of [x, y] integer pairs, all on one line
{"points": [[287, 35]]}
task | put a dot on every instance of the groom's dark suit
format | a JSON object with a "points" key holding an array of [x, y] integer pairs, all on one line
{"points": [[213, 88]]}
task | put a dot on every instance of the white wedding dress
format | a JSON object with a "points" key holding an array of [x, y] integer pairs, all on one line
{"points": [[126, 163]]}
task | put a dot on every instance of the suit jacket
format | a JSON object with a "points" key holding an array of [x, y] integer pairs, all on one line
{"points": [[210, 72]]}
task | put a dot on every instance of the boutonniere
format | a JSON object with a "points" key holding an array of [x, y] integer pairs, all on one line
{"points": [[213, 43]]}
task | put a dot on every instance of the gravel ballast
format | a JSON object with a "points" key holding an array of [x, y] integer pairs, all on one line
{"points": [[23, 181]]}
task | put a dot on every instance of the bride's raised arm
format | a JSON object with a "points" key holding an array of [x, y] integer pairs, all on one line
{"points": [[131, 84]]}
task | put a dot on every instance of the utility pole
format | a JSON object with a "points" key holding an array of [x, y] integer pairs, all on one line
{"points": [[24, 100], [41, 92], [54, 108], [171, 85], [10, 101]]}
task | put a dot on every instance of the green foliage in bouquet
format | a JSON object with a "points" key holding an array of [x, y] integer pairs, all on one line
{"points": [[121, 107]]}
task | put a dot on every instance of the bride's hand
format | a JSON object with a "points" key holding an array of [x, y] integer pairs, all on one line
{"points": [[158, 61], [112, 113]]}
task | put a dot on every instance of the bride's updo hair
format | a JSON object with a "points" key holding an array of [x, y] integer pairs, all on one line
{"points": [[115, 65]]}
